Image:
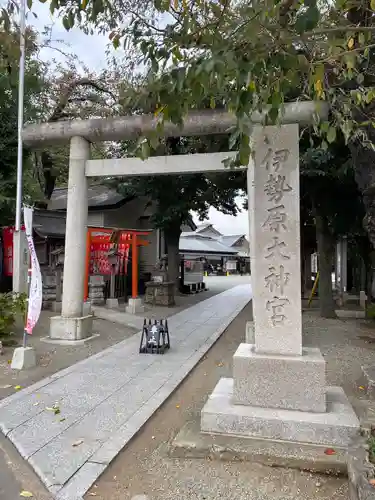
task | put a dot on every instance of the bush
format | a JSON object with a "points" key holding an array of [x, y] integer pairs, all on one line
{"points": [[370, 312], [11, 305]]}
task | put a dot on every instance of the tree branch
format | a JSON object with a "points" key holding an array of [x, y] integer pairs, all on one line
{"points": [[64, 100]]}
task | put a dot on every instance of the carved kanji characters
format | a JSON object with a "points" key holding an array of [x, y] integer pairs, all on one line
{"points": [[276, 249], [273, 160], [276, 306], [276, 219], [275, 187], [277, 279]]}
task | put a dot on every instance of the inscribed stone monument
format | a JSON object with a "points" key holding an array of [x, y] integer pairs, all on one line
{"points": [[278, 390], [275, 237]]}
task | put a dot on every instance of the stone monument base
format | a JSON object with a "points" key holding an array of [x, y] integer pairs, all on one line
{"points": [[111, 303], [191, 443], [336, 427], [160, 293], [135, 306], [291, 382], [62, 328]]}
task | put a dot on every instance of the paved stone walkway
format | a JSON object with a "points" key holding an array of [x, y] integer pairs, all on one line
{"points": [[105, 399]]}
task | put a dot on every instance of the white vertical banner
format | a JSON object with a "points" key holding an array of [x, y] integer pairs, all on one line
{"points": [[35, 289]]}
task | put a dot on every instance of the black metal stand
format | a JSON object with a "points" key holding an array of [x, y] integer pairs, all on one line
{"points": [[155, 337]]}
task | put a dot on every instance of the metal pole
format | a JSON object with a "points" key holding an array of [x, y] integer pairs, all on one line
{"points": [[20, 113]]}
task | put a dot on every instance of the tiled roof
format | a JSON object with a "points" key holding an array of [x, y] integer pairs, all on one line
{"points": [[99, 195], [49, 224], [195, 243], [231, 239]]}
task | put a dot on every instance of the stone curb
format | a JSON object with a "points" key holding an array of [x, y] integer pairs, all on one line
{"points": [[360, 470]]}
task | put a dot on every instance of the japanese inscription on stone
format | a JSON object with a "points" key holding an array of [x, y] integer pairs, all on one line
{"points": [[275, 188]]}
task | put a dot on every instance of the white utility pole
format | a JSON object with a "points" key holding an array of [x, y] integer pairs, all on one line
{"points": [[19, 277]]}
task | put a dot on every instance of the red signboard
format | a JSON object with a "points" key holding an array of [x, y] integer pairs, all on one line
{"points": [[8, 249], [99, 248]]}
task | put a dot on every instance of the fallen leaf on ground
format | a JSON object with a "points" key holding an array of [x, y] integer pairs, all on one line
{"points": [[330, 451], [177, 406], [220, 364], [361, 387], [26, 494], [77, 443], [62, 419], [56, 410], [7, 386], [9, 361], [18, 387]]}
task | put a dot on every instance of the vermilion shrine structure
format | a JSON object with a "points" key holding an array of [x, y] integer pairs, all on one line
{"points": [[129, 240], [278, 390]]}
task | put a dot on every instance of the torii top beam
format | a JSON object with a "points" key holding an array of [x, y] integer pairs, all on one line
{"points": [[197, 123]]}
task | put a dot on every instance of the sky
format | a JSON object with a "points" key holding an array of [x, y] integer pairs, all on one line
{"points": [[91, 50]]}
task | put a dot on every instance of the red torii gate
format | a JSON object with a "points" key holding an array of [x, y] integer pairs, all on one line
{"points": [[128, 237]]}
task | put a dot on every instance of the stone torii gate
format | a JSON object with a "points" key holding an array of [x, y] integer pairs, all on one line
{"points": [[273, 371]]}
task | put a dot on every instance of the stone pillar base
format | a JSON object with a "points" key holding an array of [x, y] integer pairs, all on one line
{"points": [[86, 308], [56, 306], [111, 303], [23, 358], [336, 427], [135, 306], [275, 381], [62, 328]]}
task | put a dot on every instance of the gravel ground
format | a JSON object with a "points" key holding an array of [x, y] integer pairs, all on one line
{"points": [[145, 468], [346, 344]]}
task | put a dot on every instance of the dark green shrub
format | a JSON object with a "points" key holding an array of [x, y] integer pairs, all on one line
{"points": [[11, 306]]}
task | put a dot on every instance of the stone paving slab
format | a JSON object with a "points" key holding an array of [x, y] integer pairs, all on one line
{"points": [[104, 400]]}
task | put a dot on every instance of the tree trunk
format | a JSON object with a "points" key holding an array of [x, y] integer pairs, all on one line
{"points": [[325, 254], [172, 239]]}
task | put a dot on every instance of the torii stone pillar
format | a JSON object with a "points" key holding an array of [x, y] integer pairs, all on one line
{"points": [[278, 390], [73, 324]]}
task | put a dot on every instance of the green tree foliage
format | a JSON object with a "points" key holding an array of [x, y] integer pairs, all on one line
{"points": [[251, 54], [9, 57], [330, 196]]}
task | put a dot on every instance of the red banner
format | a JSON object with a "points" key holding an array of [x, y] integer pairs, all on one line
{"points": [[8, 249], [99, 248]]}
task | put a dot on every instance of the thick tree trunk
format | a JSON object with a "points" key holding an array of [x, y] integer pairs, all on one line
{"points": [[325, 254], [172, 239]]}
